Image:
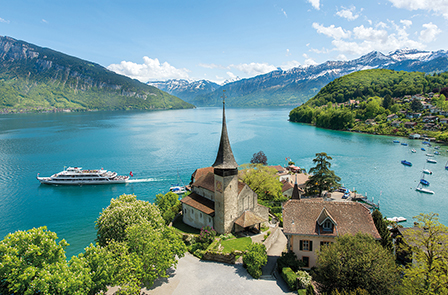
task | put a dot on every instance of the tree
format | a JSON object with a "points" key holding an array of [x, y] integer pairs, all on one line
{"points": [[123, 213], [416, 105], [429, 244], [322, 178], [263, 181], [259, 158], [387, 101], [169, 205], [33, 262], [381, 226], [356, 262], [255, 258]]}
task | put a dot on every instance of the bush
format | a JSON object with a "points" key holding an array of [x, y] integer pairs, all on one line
{"points": [[289, 259], [303, 279], [254, 259], [207, 235], [290, 278]]}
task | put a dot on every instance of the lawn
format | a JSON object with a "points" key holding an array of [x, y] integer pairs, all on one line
{"points": [[184, 228], [235, 244]]}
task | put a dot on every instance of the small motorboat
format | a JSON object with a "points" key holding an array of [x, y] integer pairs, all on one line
{"points": [[424, 181], [430, 155], [431, 161], [406, 163], [427, 171], [397, 219], [396, 141], [425, 142], [423, 149], [437, 147], [413, 151], [424, 190], [436, 153], [404, 143], [178, 189]]}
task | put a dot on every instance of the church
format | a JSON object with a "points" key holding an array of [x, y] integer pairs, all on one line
{"points": [[219, 199]]}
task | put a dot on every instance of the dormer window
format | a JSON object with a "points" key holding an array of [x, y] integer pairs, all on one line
{"points": [[328, 225]]}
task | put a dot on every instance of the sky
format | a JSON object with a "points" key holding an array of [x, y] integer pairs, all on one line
{"points": [[223, 40]]}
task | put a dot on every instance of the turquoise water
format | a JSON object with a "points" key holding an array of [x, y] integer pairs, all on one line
{"points": [[155, 145]]}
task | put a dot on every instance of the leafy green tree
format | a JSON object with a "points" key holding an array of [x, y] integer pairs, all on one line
{"points": [[381, 226], [428, 274], [356, 262], [387, 101], [169, 205], [255, 258], [416, 105], [33, 262], [259, 158], [123, 213], [262, 180], [322, 178]]}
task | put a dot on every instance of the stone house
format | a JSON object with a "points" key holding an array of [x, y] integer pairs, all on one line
{"points": [[410, 124], [310, 224], [219, 199]]}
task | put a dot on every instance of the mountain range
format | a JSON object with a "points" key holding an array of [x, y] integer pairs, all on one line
{"points": [[297, 85], [33, 78]]}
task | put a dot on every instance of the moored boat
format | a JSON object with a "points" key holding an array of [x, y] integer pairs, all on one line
{"points": [[396, 141], [424, 181], [406, 163], [413, 150], [78, 176], [424, 190], [177, 189], [427, 171], [423, 149], [397, 219], [404, 143], [436, 153], [431, 161], [429, 155]]}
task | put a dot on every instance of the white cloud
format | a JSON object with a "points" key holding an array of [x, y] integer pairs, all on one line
{"points": [[232, 76], [341, 57], [429, 33], [438, 6], [407, 23], [287, 52], [151, 69], [211, 66], [45, 21], [370, 34], [347, 13], [4, 21], [332, 31], [290, 64], [315, 3], [284, 12], [380, 25], [254, 68]]}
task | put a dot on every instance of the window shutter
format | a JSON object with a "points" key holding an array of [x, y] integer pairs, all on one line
{"points": [[311, 245], [301, 245]]}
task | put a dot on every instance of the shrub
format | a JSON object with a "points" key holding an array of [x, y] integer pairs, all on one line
{"points": [[207, 235], [254, 259], [290, 278], [303, 279], [289, 259]]}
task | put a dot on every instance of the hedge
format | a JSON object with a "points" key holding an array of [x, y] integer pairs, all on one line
{"points": [[290, 278]]}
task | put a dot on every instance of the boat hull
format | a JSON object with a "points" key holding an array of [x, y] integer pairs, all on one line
{"points": [[424, 190]]}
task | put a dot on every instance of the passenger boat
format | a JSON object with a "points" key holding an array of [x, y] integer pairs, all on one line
{"points": [[406, 163], [431, 161], [78, 176], [397, 219]]}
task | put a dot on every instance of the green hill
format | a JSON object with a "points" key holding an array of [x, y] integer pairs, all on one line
{"points": [[33, 78]]}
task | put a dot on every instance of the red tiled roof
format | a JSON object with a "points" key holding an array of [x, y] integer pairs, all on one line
{"points": [[278, 168], [286, 186], [202, 204], [201, 172], [206, 181], [300, 218]]}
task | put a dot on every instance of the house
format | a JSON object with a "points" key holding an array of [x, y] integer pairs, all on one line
{"points": [[410, 124], [414, 136], [310, 224], [395, 123], [370, 122], [391, 117], [413, 115], [430, 126], [444, 121], [282, 173], [444, 113], [429, 119], [219, 199], [288, 186]]}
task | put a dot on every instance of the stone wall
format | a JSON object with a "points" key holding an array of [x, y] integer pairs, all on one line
{"points": [[272, 237], [220, 257]]}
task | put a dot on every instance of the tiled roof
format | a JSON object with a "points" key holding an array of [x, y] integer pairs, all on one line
{"points": [[206, 181], [278, 168], [286, 186], [201, 172], [300, 217], [202, 204], [249, 218], [241, 185]]}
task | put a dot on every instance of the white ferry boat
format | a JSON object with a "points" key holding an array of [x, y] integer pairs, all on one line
{"points": [[78, 176]]}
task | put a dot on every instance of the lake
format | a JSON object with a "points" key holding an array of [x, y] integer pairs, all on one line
{"points": [[160, 145]]}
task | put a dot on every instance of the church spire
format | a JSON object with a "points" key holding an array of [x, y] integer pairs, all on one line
{"points": [[295, 191], [225, 158]]}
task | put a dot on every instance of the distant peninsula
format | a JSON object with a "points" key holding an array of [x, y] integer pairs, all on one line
{"points": [[36, 79], [383, 102]]}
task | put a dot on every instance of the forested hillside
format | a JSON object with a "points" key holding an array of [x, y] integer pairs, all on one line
{"points": [[33, 78], [362, 101]]}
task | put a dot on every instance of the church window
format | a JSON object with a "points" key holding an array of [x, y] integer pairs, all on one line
{"points": [[200, 215], [192, 211], [209, 219]]}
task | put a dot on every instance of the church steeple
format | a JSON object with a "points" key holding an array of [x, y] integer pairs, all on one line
{"points": [[225, 159]]}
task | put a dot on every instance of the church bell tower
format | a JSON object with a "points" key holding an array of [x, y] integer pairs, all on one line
{"points": [[226, 182]]}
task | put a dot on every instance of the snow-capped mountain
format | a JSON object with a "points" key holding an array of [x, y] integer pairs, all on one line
{"points": [[185, 89], [297, 85]]}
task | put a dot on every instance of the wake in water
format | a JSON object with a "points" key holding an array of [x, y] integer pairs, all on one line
{"points": [[142, 180]]}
